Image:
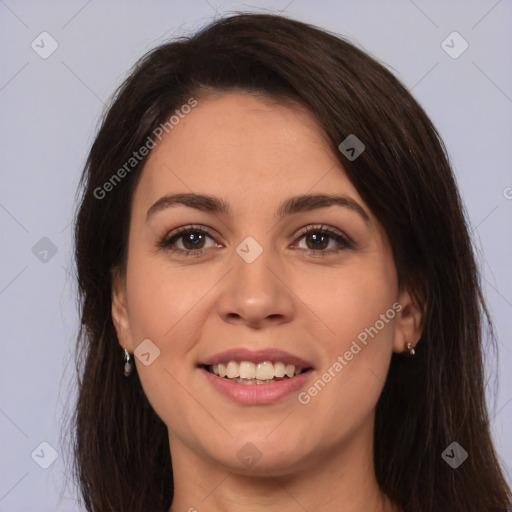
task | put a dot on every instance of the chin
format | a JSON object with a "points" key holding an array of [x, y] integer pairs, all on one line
{"points": [[264, 456]]}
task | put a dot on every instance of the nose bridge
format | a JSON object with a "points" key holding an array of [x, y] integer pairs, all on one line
{"points": [[253, 265]]}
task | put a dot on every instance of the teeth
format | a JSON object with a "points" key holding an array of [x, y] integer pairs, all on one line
{"points": [[247, 369], [232, 370], [265, 371], [261, 372], [279, 369]]}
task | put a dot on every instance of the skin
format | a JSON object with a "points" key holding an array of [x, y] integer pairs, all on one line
{"points": [[255, 153]]}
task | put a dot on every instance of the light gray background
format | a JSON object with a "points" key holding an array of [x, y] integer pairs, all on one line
{"points": [[51, 109]]}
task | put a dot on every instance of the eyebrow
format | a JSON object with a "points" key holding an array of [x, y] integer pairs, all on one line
{"points": [[296, 204]]}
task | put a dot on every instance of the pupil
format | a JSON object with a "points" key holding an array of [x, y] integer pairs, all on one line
{"points": [[318, 239], [191, 236]]}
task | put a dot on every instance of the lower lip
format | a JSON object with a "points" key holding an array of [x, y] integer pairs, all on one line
{"points": [[256, 394]]}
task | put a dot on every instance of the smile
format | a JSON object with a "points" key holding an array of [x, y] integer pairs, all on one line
{"points": [[247, 372]]}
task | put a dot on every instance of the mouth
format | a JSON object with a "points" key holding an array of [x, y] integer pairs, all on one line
{"points": [[258, 377], [251, 373]]}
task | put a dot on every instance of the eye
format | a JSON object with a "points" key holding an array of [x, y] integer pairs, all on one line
{"points": [[317, 240], [192, 238]]}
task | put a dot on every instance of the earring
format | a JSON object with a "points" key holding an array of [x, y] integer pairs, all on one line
{"points": [[410, 349], [128, 364]]}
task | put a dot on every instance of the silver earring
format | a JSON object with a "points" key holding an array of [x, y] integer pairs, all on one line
{"points": [[128, 364], [410, 349]]}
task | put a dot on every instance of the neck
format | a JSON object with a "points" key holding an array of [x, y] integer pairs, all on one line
{"points": [[341, 480]]}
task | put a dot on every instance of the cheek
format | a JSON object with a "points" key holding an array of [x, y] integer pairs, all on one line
{"points": [[161, 304], [353, 300], [161, 297], [357, 346]]}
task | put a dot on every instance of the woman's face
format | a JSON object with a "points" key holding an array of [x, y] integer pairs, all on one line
{"points": [[257, 283]]}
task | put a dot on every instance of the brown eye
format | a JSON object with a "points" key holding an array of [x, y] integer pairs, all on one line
{"points": [[192, 241], [318, 239]]}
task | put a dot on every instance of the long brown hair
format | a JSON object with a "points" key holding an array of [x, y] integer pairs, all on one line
{"points": [[122, 459]]}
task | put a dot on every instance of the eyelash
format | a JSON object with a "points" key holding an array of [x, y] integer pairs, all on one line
{"points": [[168, 241]]}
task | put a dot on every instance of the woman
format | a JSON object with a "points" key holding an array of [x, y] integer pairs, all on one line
{"points": [[280, 303]]}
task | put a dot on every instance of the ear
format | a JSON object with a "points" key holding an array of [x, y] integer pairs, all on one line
{"points": [[409, 322], [119, 310]]}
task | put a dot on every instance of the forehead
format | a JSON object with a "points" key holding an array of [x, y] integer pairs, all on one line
{"points": [[245, 147]]}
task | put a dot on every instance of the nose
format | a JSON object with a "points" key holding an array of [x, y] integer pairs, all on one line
{"points": [[256, 294]]}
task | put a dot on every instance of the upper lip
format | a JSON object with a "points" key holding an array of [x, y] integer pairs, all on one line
{"points": [[258, 356]]}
